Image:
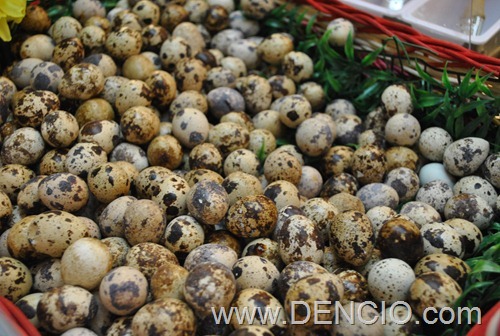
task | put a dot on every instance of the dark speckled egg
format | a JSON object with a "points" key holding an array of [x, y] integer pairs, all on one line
{"points": [[252, 217]]}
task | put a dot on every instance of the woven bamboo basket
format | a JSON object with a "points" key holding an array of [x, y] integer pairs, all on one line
{"points": [[431, 54]]}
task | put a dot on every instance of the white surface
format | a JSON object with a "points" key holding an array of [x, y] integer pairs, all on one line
{"points": [[389, 8]]}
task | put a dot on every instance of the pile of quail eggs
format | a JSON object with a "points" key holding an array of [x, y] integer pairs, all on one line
{"points": [[142, 187]]}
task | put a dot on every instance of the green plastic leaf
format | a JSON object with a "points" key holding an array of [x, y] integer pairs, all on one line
{"points": [[473, 105], [424, 75], [349, 47], [464, 85], [371, 57], [310, 24], [445, 79], [429, 101]]}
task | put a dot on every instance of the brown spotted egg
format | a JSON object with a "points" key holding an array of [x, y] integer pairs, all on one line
{"points": [[239, 185], [314, 290], [351, 235], [118, 247], [53, 161], [159, 146], [148, 257], [171, 193], [16, 279], [209, 285], [471, 234], [107, 182], [228, 137], [252, 217], [120, 326], [139, 124], [30, 109], [491, 169], [469, 207], [399, 156], [59, 128], [78, 309], [6, 205], [349, 127], [300, 239], [420, 213], [298, 66], [402, 129], [166, 316], [255, 272], [322, 213], [401, 238], [364, 313], [190, 126], [243, 160], [144, 221], [246, 50], [68, 53], [196, 175], [314, 137], [337, 160], [405, 181], [444, 263], [46, 76], [294, 110], [295, 271], [390, 279], [207, 201], [339, 107], [355, 285], [18, 244], [465, 156], [378, 216], [47, 275], [51, 232], [226, 238], [310, 182], [133, 93], [123, 43], [190, 74], [168, 282], [206, 156], [224, 100], [28, 305], [347, 202], [282, 193], [82, 157], [63, 191], [433, 142], [163, 87], [211, 253], [266, 248], [282, 166], [13, 177], [85, 262], [442, 238], [111, 218], [82, 81], [478, 186], [123, 290], [396, 99], [435, 193], [24, 146], [183, 234], [378, 194], [433, 289], [369, 164], [269, 120]]}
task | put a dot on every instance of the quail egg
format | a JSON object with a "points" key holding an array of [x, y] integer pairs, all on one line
{"points": [[465, 156], [390, 279]]}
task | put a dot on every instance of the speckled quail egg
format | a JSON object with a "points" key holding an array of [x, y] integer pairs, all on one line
{"points": [[47, 275], [367, 321], [349, 128], [274, 48], [435, 171], [262, 142], [441, 238], [295, 271], [291, 149], [378, 194], [148, 12], [314, 93], [435, 193], [68, 53], [112, 85], [6, 204], [148, 257], [310, 182], [20, 73], [30, 109], [469, 207], [401, 238], [491, 169], [399, 156], [339, 107], [257, 9], [226, 238], [251, 331], [191, 34], [478, 186], [190, 74], [228, 137], [85, 262], [235, 65], [238, 20], [63, 191], [83, 81], [340, 29], [105, 133], [402, 129], [163, 87], [17, 242], [59, 128], [239, 185], [82, 157], [294, 110], [433, 142], [28, 305], [57, 317], [121, 326], [105, 63], [369, 164], [337, 160], [396, 99], [246, 50], [219, 77], [378, 216], [282, 166], [16, 279], [282, 86], [266, 248], [256, 92], [224, 100], [173, 50], [93, 38], [183, 234], [471, 234], [168, 282], [111, 218], [133, 93], [93, 110], [252, 217], [12, 178], [118, 247], [144, 221], [46, 76], [269, 120], [24, 146], [282, 193], [255, 272], [53, 162], [36, 19], [209, 285], [319, 292], [129, 153], [322, 213], [123, 43], [355, 285], [206, 156], [351, 235], [453, 266], [283, 214], [171, 194], [314, 137], [190, 98], [207, 201], [123, 290], [420, 213], [390, 279], [93, 229], [255, 299], [433, 289], [139, 124], [300, 239], [370, 137], [298, 66], [465, 156], [346, 202], [166, 316], [211, 253], [405, 181], [107, 182], [137, 67], [190, 127]]}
